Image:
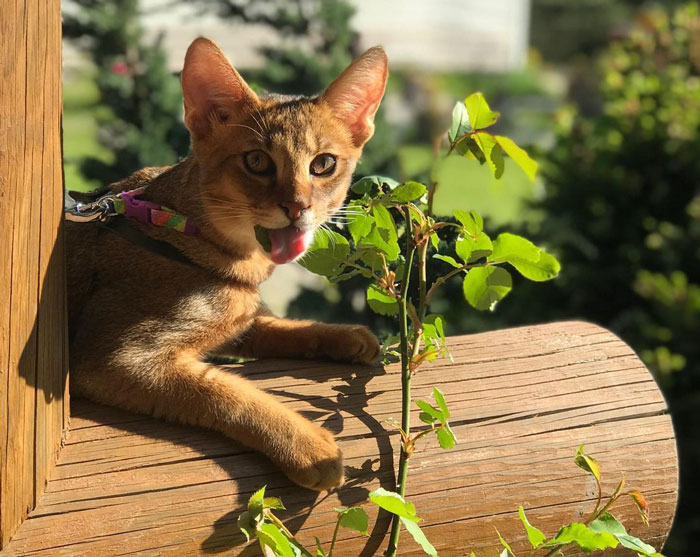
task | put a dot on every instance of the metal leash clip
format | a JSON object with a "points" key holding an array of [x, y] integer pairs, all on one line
{"points": [[100, 210]]}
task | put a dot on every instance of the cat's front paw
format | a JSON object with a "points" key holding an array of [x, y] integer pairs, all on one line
{"points": [[349, 343], [316, 460]]}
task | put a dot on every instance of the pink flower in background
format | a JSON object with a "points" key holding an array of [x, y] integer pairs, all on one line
{"points": [[120, 68]]}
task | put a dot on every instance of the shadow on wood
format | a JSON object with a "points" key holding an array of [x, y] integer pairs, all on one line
{"points": [[33, 395], [522, 400]]}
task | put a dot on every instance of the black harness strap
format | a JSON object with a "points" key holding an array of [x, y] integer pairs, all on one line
{"points": [[126, 230]]}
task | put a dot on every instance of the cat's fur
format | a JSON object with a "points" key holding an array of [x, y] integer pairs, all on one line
{"points": [[142, 324]]}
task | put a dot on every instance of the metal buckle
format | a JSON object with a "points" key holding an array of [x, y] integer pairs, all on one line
{"points": [[100, 210]]}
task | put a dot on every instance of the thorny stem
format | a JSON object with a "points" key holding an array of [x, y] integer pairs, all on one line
{"points": [[405, 381]]}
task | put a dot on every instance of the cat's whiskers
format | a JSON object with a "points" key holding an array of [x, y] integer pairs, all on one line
{"points": [[329, 234], [263, 122], [223, 202], [256, 132], [259, 122]]}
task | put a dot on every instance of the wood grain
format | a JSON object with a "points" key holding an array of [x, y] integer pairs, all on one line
{"points": [[521, 400], [32, 331]]}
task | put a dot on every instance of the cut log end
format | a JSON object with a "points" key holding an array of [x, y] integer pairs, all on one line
{"points": [[521, 400]]}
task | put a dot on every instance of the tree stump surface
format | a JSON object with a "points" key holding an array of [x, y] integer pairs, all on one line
{"points": [[521, 400]]}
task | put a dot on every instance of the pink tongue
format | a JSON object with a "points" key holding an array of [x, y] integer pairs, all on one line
{"points": [[287, 244]]}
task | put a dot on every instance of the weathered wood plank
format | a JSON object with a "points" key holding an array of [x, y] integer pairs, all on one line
{"points": [[31, 276], [51, 362], [18, 486], [521, 400]]}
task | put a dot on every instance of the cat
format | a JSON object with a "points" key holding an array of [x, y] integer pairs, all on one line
{"points": [[142, 324]]}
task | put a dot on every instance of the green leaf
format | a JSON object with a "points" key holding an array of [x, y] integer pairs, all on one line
{"points": [[433, 328], [509, 246], [245, 525], [608, 523], [255, 503], [471, 221], [419, 536], [366, 184], [383, 235], [480, 115], [635, 544], [460, 122], [446, 437], [585, 538], [354, 518], [430, 409], [380, 302], [273, 503], [435, 240], [408, 191], [519, 156], [272, 537], [485, 286], [505, 544], [492, 152], [319, 548], [426, 418], [532, 262], [394, 503], [534, 535], [470, 249], [546, 268], [328, 250], [360, 224], [440, 399], [587, 463], [447, 259]]}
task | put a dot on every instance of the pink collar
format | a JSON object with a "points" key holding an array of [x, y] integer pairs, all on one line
{"points": [[147, 212]]}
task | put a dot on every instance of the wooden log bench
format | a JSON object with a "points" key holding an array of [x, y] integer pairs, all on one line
{"points": [[522, 400]]}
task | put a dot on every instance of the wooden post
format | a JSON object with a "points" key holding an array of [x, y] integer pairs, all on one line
{"points": [[33, 385]]}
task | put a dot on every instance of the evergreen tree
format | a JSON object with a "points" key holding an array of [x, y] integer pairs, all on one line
{"points": [[142, 122]]}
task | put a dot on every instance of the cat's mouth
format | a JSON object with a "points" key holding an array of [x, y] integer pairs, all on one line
{"points": [[283, 244]]}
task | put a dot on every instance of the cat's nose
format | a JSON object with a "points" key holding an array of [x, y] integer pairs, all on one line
{"points": [[294, 209]]}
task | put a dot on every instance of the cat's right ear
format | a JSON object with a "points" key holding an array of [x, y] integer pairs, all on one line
{"points": [[213, 90]]}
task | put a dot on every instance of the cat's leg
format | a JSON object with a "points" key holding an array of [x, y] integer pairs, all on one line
{"points": [[274, 337], [154, 367]]}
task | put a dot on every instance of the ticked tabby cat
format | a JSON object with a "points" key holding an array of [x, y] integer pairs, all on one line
{"points": [[142, 324]]}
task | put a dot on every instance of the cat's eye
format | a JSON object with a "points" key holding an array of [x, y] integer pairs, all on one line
{"points": [[323, 165], [258, 162]]}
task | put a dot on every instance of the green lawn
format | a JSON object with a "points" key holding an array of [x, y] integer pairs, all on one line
{"points": [[80, 111]]}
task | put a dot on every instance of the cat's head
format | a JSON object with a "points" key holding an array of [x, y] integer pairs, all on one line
{"points": [[283, 164]]}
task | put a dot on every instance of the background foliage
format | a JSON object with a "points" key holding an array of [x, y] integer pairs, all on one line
{"points": [[609, 101]]}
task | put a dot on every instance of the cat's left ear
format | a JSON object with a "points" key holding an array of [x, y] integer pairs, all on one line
{"points": [[213, 90], [355, 94]]}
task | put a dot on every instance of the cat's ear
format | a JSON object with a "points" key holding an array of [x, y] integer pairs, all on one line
{"points": [[213, 90], [355, 94]]}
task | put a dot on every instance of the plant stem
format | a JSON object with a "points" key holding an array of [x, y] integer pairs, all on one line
{"points": [[405, 381], [335, 535], [448, 276], [277, 522], [422, 280]]}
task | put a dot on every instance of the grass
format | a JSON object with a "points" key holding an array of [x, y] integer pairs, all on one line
{"points": [[80, 128]]}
